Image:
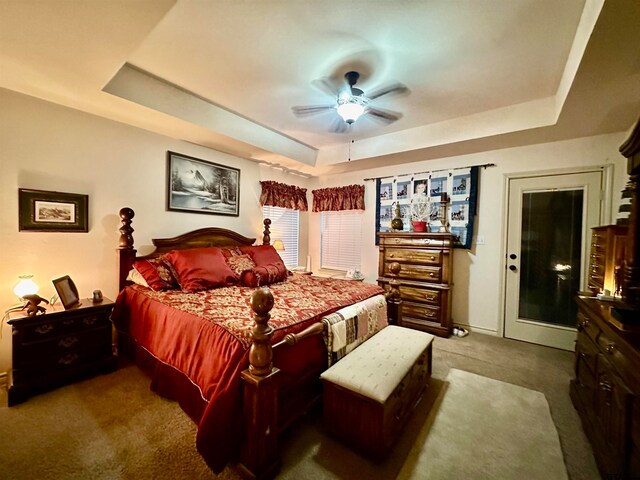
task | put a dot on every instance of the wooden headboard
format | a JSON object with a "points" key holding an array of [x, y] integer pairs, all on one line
{"points": [[203, 237]]}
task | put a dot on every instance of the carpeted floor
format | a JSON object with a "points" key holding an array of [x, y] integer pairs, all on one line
{"points": [[113, 427]]}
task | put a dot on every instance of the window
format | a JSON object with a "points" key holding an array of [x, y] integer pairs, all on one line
{"points": [[284, 226], [341, 240]]}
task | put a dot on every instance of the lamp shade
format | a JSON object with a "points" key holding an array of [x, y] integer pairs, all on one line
{"points": [[278, 245], [25, 286]]}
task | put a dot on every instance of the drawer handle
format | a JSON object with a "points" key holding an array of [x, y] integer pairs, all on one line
{"points": [[43, 329], [432, 258], [397, 240], [430, 313], [583, 324], [90, 320], [391, 255], [431, 274], [610, 348], [68, 358], [68, 342]]}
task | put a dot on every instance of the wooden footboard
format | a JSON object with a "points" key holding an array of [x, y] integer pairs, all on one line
{"points": [[259, 455]]}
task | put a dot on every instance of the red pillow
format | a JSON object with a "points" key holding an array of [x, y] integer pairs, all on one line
{"points": [[158, 273], [264, 275], [201, 268], [262, 254]]}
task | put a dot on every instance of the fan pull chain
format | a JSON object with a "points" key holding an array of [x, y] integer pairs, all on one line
{"points": [[350, 149]]}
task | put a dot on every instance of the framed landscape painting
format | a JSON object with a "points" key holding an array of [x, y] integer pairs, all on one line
{"points": [[44, 211], [198, 186]]}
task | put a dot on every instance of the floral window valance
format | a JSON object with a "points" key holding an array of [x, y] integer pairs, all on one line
{"points": [[350, 197], [284, 196]]}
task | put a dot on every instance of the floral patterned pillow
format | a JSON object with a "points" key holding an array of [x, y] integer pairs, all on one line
{"points": [[264, 275], [240, 263], [158, 273]]}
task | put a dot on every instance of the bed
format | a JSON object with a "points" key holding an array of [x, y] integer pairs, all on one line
{"points": [[242, 361]]}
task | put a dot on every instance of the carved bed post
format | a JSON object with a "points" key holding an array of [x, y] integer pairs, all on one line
{"points": [[126, 254], [266, 235], [259, 457], [394, 303]]}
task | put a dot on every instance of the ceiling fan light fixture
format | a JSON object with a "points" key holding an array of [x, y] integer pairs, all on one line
{"points": [[350, 111]]}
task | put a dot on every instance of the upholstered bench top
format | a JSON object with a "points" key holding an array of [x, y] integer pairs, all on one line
{"points": [[376, 367]]}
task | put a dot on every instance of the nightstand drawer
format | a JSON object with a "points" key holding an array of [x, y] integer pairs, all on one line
{"points": [[54, 327], [54, 348], [428, 257]]}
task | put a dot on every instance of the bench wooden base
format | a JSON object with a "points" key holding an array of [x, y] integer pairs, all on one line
{"points": [[368, 424]]}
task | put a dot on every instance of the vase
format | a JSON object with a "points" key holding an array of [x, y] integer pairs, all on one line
{"points": [[419, 226]]}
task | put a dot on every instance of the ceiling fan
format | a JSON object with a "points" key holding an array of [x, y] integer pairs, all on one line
{"points": [[351, 103]]}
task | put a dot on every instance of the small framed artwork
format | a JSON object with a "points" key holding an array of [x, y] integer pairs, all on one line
{"points": [[44, 211], [67, 291], [198, 186]]}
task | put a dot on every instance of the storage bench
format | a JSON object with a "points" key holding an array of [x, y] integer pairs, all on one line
{"points": [[369, 394]]}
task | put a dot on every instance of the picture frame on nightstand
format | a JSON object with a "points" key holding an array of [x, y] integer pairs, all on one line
{"points": [[67, 292]]}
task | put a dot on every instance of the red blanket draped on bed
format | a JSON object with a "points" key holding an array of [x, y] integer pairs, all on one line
{"points": [[205, 336]]}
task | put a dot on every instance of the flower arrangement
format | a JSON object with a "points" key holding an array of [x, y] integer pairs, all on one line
{"points": [[420, 208]]}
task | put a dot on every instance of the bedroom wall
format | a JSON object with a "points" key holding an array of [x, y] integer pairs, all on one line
{"points": [[49, 147], [477, 273]]}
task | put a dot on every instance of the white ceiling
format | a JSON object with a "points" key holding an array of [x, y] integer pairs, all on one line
{"points": [[225, 73]]}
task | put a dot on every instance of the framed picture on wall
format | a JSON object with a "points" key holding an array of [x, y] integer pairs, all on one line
{"points": [[45, 211], [198, 186]]}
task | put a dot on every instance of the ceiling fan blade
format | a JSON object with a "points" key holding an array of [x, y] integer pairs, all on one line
{"points": [[385, 116], [339, 126], [325, 85], [396, 88], [305, 111]]}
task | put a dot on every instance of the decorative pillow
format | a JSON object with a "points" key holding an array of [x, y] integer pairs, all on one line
{"points": [[264, 275], [201, 268], [240, 263], [136, 277], [262, 254], [157, 272], [230, 252]]}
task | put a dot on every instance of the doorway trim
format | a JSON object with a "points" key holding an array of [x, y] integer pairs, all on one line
{"points": [[606, 192]]}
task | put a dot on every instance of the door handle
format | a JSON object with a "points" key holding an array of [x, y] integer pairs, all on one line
{"points": [[513, 268]]}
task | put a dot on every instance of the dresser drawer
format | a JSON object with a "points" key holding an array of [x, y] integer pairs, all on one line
{"points": [[427, 257], [55, 327], [420, 294], [588, 326], [421, 311], [415, 242], [421, 273], [53, 349]]}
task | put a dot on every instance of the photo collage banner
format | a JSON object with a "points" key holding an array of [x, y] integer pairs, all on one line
{"points": [[460, 186]]}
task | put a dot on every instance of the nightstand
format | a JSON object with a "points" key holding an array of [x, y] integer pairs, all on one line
{"points": [[60, 346]]}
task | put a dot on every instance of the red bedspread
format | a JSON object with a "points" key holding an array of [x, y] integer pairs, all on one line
{"points": [[206, 335]]}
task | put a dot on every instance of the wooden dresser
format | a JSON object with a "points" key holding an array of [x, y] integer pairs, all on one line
{"points": [[606, 388], [606, 257], [59, 346], [425, 277]]}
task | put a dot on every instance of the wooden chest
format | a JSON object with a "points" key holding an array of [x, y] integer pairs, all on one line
{"points": [[59, 346], [425, 277], [369, 395]]}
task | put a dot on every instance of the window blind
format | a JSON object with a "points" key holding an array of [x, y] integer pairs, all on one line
{"points": [[284, 226], [341, 240]]}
